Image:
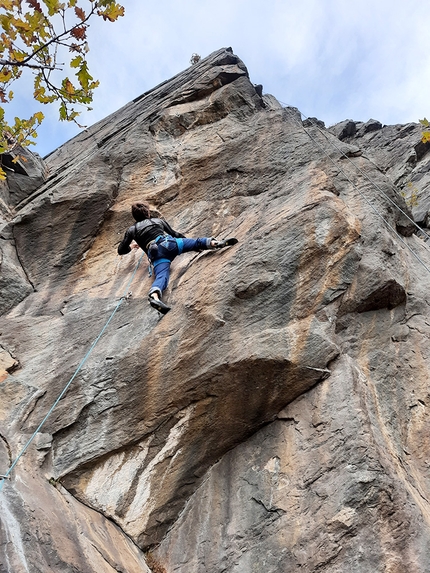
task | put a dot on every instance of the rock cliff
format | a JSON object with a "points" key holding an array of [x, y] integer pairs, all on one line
{"points": [[399, 152], [277, 418]]}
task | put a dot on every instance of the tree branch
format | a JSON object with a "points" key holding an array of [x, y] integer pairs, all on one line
{"points": [[52, 41], [33, 66]]}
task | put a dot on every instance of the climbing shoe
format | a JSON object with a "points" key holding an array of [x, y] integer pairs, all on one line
{"points": [[225, 243], [158, 304]]}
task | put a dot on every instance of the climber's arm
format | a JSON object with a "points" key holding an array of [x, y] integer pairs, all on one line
{"points": [[124, 246]]}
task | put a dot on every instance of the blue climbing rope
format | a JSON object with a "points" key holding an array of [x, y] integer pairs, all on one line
{"points": [[67, 386]]}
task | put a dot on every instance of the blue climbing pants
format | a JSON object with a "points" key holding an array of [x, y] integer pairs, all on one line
{"points": [[162, 252]]}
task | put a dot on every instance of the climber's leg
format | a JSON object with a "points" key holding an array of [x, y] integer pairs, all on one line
{"points": [[200, 244], [162, 275], [203, 244]]}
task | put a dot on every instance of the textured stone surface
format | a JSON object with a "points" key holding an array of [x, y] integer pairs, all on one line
{"points": [[320, 489], [399, 152], [23, 178], [26, 171], [276, 418]]}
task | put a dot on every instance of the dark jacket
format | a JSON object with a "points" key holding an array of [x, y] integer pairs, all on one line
{"points": [[144, 232]]}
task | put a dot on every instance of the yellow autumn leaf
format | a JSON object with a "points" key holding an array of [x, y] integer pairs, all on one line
{"points": [[18, 56], [5, 75], [68, 86], [6, 4], [425, 137], [112, 12], [22, 25]]}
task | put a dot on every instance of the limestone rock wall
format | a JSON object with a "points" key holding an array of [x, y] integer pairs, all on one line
{"points": [[276, 418]]}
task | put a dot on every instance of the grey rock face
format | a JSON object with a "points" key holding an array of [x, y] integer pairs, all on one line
{"points": [[344, 130], [399, 152], [25, 171], [14, 283], [23, 178], [276, 417]]}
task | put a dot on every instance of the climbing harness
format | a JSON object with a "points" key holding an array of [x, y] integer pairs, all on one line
{"points": [[150, 265], [125, 296], [161, 238], [299, 122]]}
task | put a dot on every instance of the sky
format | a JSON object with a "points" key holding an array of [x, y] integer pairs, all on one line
{"points": [[332, 59]]}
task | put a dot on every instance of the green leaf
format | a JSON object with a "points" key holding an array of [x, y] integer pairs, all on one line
{"points": [[53, 6], [84, 76], [76, 62], [63, 112]]}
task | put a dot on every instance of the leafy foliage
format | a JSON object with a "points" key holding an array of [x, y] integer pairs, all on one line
{"points": [[34, 35], [426, 133]]}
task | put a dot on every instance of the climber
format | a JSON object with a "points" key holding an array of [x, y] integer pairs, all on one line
{"points": [[162, 244]]}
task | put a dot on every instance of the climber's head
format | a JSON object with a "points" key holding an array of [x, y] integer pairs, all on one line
{"points": [[140, 211]]}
